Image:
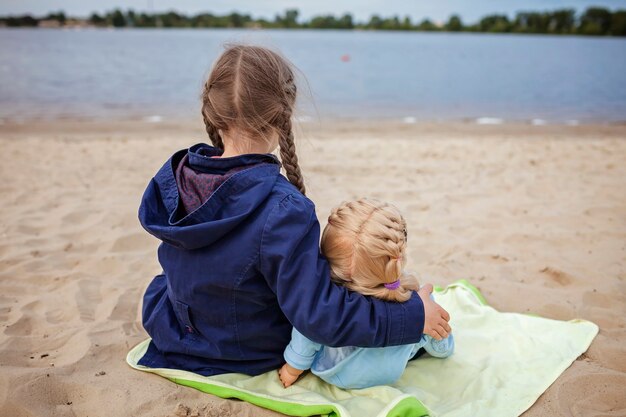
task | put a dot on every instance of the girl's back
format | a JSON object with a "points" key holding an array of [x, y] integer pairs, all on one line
{"points": [[212, 283]]}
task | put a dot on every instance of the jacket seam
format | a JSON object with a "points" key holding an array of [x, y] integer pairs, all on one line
{"points": [[267, 222], [234, 302], [389, 326], [403, 321]]}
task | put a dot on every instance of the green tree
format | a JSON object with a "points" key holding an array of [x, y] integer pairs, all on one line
{"points": [[392, 23], [131, 18], [562, 21], [26, 20], [531, 22], [97, 20], [117, 19], [454, 24], [59, 17], [238, 20], [618, 23], [375, 22], [495, 23], [595, 21], [427, 25], [145, 21], [289, 20], [172, 19], [406, 23], [345, 22], [324, 22], [208, 20]]}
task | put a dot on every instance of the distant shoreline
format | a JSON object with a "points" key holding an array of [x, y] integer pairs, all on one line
{"points": [[594, 21], [269, 29]]}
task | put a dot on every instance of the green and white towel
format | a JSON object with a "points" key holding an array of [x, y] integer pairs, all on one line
{"points": [[502, 363]]}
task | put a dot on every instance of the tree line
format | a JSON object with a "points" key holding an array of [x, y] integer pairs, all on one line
{"points": [[593, 21]]}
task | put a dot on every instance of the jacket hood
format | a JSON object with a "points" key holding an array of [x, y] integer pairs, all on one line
{"points": [[233, 202]]}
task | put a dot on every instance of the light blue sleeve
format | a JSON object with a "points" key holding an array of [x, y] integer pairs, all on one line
{"points": [[301, 351]]}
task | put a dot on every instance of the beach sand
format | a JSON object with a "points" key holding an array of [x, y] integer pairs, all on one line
{"points": [[534, 216]]}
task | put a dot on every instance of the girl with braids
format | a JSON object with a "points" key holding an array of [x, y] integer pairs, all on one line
{"points": [[365, 244], [240, 242]]}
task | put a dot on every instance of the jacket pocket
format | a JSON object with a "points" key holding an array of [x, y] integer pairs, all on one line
{"points": [[182, 313]]}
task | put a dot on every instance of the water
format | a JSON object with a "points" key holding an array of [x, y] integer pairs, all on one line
{"points": [[157, 74]]}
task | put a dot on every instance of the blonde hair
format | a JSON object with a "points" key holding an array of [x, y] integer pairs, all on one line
{"points": [[252, 88], [365, 244]]}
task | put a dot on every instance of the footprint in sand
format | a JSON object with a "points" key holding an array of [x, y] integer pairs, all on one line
{"points": [[28, 230], [22, 327], [557, 311], [58, 315], [418, 207], [51, 394], [76, 217], [206, 410], [597, 395], [88, 298], [24, 324], [602, 300], [556, 276], [126, 310], [5, 312], [132, 242]]}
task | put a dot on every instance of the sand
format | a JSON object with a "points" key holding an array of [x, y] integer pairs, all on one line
{"points": [[535, 216]]}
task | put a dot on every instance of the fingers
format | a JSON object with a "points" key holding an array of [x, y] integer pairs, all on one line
{"points": [[446, 327], [442, 332], [439, 333], [283, 378], [433, 333], [280, 376], [445, 314]]}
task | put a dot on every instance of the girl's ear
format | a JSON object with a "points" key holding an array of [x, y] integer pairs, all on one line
{"points": [[275, 139]]}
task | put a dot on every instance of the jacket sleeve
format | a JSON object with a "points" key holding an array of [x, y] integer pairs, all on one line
{"points": [[299, 275], [300, 352]]}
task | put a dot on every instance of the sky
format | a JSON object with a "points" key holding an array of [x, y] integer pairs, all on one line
{"points": [[438, 10]]}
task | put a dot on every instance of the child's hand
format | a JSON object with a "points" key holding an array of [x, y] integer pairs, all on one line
{"points": [[288, 375], [436, 318]]}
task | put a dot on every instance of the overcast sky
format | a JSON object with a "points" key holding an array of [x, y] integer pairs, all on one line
{"points": [[470, 10]]}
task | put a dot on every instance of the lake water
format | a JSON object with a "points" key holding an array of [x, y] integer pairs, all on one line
{"points": [[157, 74]]}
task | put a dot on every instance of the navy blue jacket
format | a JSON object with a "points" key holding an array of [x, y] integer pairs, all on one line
{"points": [[244, 268]]}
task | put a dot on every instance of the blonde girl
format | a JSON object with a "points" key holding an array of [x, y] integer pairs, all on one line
{"points": [[240, 241], [365, 244]]}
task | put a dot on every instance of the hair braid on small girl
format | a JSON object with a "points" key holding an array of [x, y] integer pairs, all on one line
{"points": [[377, 253], [288, 155]]}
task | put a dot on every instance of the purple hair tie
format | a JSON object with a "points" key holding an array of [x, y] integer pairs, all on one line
{"points": [[393, 285]]}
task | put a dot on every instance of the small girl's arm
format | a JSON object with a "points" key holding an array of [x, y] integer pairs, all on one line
{"points": [[299, 355]]}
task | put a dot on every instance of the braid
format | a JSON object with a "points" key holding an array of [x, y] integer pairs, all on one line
{"points": [[214, 135], [210, 129], [364, 242], [288, 156]]}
